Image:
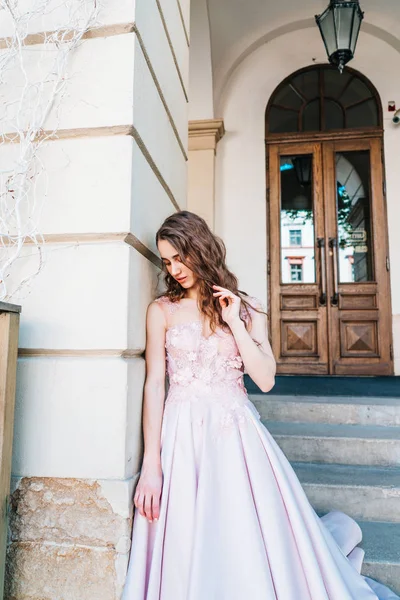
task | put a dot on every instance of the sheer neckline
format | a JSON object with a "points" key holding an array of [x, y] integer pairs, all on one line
{"points": [[192, 322], [178, 305]]}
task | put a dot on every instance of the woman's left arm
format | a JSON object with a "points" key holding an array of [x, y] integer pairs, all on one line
{"points": [[258, 358]]}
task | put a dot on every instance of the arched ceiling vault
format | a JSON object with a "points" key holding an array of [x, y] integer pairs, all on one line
{"points": [[238, 27]]}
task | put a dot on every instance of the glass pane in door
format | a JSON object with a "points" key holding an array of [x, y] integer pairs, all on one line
{"points": [[353, 210], [297, 219]]}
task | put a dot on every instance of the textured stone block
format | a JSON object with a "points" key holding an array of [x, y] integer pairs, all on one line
{"points": [[69, 539], [37, 571], [65, 511]]}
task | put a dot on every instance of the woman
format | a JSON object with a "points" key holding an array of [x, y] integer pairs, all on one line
{"points": [[220, 514]]}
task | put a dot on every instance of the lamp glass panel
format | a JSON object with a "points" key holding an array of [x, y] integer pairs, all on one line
{"points": [[344, 20], [356, 30], [327, 25]]}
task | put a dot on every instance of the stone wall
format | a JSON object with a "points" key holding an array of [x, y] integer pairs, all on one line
{"points": [[67, 540]]}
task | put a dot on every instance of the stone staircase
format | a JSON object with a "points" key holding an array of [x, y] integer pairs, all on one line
{"points": [[345, 450]]}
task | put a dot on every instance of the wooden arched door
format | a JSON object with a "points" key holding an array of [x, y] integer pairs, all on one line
{"points": [[329, 294]]}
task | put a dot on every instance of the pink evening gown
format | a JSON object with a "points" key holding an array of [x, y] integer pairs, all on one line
{"points": [[235, 523]]}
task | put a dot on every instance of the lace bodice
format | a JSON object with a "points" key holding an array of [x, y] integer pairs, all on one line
{"points": [[199, 365]]}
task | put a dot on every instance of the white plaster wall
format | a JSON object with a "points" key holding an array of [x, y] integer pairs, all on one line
{"points": [[81, 416], [142, 288], [100, 87], [147, 216], [85, 185], [101, 405], [134, 438], [70, 417], [185, 10], [78, 412], [151, 29], [201, 103], [241, 207], [154, 127], [68, 307], [176, 33], [111, 12], [111, 84], [95, 415], [69, 303]]}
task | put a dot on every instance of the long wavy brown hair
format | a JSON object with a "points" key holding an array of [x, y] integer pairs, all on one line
{"points": [[204, 253]]}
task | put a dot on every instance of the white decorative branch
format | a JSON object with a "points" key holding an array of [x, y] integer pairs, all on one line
{"points": [[31, 91]]}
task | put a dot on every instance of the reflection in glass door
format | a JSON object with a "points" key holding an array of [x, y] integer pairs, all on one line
{"points": [[359, 310], [297, 258], [353, 209], [297, 219]]}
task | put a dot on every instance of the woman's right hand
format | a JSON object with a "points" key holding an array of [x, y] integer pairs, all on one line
{"points": [[148, 492]]}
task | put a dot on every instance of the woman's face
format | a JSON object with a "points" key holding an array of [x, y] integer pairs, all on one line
{"points": [[176, 268]]}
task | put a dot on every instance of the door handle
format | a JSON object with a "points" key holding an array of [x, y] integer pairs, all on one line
{"points": [[335, 297], [321, 246]]}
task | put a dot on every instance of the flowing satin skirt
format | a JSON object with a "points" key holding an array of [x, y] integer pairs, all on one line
{"points": [[235, 523]]}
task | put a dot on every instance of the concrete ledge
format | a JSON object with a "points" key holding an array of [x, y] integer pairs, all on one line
{"points": [[343, 444], [7, 307], [368, 493], [326, 385], [328, 409]]}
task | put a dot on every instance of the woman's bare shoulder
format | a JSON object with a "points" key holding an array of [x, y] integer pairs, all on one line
{"points": [[160, 302], [165, 303], [163, 298], [156, 315]]}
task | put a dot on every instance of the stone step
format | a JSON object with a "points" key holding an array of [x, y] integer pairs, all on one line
{"points": [[381, 542], [341, 444], [347, 410], [330, 385], [367, 493]]}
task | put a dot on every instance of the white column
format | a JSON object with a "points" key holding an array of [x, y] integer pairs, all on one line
{"points": [[203, 138], [117, 168]]}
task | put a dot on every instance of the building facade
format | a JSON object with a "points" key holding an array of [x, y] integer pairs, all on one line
{"points": [[228, 109]]}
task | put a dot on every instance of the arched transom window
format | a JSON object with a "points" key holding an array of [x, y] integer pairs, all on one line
{"points": [[321, 99]]}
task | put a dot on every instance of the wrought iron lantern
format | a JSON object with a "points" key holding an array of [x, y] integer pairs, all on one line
{"points": [[303, 169], [340, 25]]}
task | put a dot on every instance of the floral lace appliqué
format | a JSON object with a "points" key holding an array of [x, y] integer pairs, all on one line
{"points": [[206, 370], [171, 306]]}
